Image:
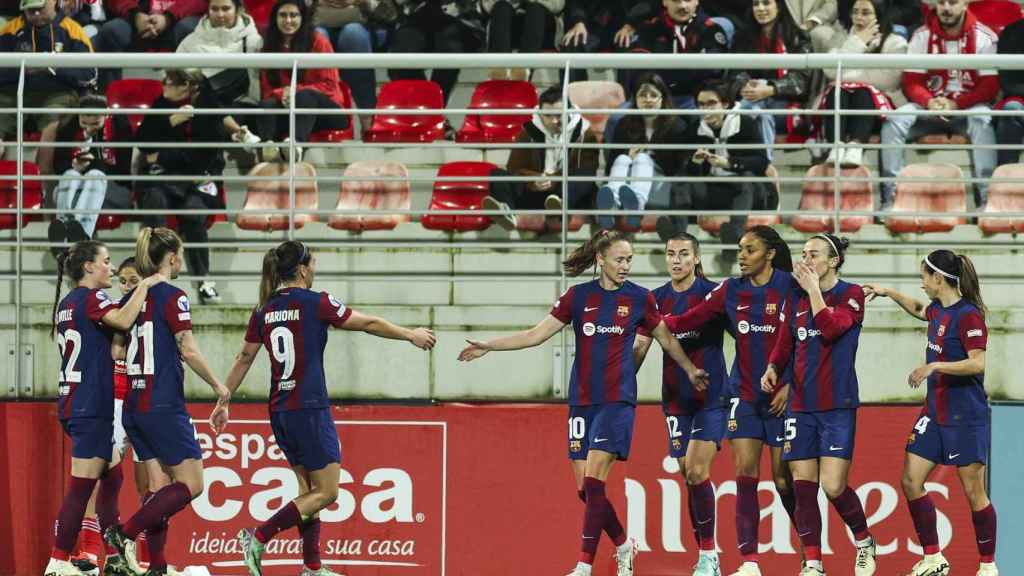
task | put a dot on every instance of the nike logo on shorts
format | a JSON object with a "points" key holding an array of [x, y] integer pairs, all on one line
{"points": [[779, 438], [834, 448], [951, 456], [598, 440], [695, 430]]}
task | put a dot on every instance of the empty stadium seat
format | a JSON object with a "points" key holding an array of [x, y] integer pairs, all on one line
{"points": [[133, 93], [31, 199], [408, 94], [459, 195], [372, 194], [273, 194], [338, 135], [596, 94], [712, 224], [821, 196], [499, 94], [996, 14], [926, 196], [1004, 197]]}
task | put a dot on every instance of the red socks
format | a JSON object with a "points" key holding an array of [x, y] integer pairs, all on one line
{"points": [[284, 519], [852, 512], [167, 502], [702, 513], [599, 515], [748, 515], [985, 532], [808, 518], [922, 511], [107, 511], [310, 532], [69, 518]]}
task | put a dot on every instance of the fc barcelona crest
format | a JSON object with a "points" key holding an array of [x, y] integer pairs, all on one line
{"points": [[911, 439], [732, 425], [623, 311], [771, 309], [941, 330], [786, 448]]}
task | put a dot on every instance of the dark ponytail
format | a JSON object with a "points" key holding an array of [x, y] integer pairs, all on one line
{"points": [[698, 270], [280, 265], [585, 256], [836, 247], [72, 262], [782, 260], [958, 272]]}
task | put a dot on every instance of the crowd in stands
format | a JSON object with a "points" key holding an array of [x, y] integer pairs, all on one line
{"points": [[587, 26]]}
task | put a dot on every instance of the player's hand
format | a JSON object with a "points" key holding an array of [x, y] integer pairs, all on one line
{"points": [[920, 375], [475, 350], [699, 378], [769, 379], [423, 338], [874, 290], [219, 418], [778, 404], [806, 277]]}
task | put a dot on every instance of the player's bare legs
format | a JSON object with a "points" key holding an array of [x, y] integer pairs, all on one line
{"points": [[922, 510], [983, 515], [696, 468], [747, 459], [579, 469], [319, 483]]}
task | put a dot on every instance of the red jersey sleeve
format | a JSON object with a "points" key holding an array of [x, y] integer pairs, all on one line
{"points": [[254, 330], [562, 310], [973, 332], [331, 311], [834, 321], [98, 304], [652, 316], [712, 307], [177, 313], [782, 351]]}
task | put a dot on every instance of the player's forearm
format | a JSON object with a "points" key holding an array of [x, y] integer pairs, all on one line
{"points": [[913, 307], [517, 341], [966, 367], [123, 318], [237, 374], [671, 346], [385, 329]]}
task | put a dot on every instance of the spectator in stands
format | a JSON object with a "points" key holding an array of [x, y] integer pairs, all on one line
{"points": [[769, 29], [181, 93], [292, 30], [716, 131], [545, 129], [906, 15], [74, 192], [950, 29], [438, 26], [527, 25], [592, 27], [89, 13], [1010, 129], [146, 26], [42, 28], [227, 29], [866, 29], [637, 131], [815, 17]]}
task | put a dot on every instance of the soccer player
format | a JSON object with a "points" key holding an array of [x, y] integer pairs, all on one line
{"points": [[291, 322], [751, 307], [695, 418], [818, 340], [84, 323], [155, 419], [955, 424], [606, 314]]}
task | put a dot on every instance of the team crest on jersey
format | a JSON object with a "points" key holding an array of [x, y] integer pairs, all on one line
{"points": [[771, 309], [786, 448], [912, 438], [941, 330], [575, 445], [623, 311], [677, 444], [732, 426]]}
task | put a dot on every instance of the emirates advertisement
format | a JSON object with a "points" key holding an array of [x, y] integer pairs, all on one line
{"points": [[459, 489]]}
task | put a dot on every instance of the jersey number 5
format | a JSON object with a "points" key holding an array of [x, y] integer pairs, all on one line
{"points": [[74, 338], [142, 338]]}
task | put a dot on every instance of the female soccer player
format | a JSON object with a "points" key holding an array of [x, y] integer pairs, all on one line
{"points": [[751, 306], [84, 323], [291, 322], [955, 425], [155, 419], [818, 340], [606, 314], [695, 418]]}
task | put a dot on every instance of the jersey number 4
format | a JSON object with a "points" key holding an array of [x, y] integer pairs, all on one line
{"points": [[72, 338], [141, 339]]}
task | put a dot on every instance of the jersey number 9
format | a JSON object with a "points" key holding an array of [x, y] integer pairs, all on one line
{"points": [[282, 346]]}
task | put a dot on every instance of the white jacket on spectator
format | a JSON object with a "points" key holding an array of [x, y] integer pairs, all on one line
{"points": [[886, 80], [242, 37], [824, 12]]}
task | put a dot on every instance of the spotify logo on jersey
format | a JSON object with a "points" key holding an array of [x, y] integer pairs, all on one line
{"points": [[589, 329], [743, 326], [801, 333]]}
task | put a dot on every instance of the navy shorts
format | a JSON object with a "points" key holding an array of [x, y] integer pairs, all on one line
{"points": [[605, 427], [708, 425], [813, 435], [90, 437], [308, 438], [748, 420], [957, 445], [169, 437]]}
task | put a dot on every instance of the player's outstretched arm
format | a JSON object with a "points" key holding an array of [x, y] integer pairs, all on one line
{"points": [[190, 353], [243, 361], [537, 335], [122, 318], [421, 338], [915, 308], [668, 343]]}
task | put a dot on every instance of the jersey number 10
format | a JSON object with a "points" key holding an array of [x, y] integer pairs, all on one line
{"points": [[141, 337]]}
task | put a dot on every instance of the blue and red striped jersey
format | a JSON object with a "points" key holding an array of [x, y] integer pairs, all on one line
{"points": [[156, 377], [752, 314], [952, 333], [703, 346], [86, 377], [292, 326], [605, 323], [821, 349]]}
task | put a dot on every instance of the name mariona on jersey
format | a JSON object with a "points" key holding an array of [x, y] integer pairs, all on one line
{"points": [[281, 316]]}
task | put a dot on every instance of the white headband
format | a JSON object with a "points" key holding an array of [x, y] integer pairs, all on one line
{"points": [[943, 272], [830, 242]]}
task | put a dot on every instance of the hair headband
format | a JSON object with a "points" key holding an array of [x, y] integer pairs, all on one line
{"points": [[830, 242], [940, 271]]}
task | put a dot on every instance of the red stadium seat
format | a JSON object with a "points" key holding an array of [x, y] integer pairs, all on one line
{"points": [[408, 94], [712, 224], [1004, 197], [260, 12], [928, 197], [109, 221], [31, 198], [273, 194], [596, 94], [996, 14], [496, 127], [133, 93], [459, 195], [944, 139], [372, 194], [338, 135], [821, 196]]}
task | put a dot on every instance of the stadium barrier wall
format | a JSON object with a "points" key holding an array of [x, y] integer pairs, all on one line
{"points": [[1005, 477], [457, 489]]}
